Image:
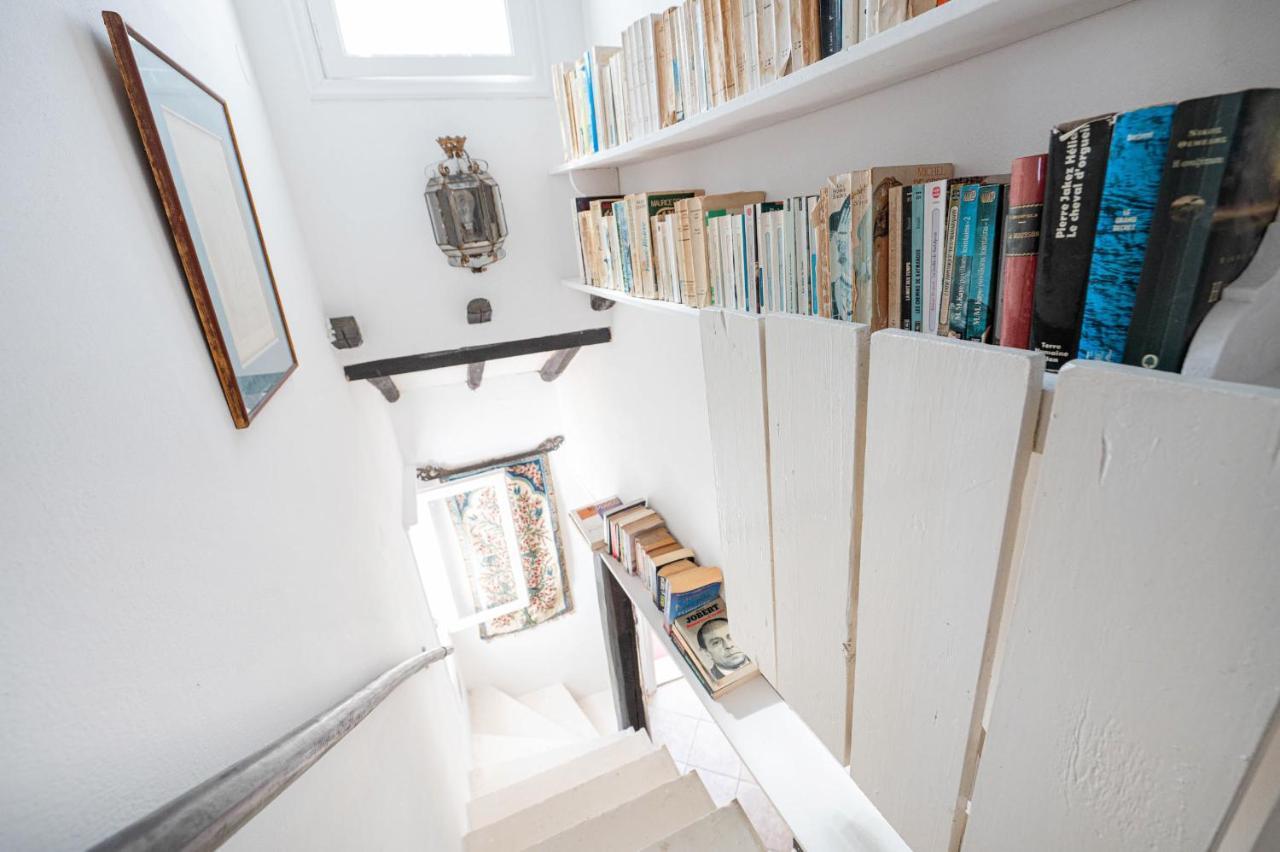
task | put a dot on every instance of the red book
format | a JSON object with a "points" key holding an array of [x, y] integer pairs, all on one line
{"points": [[1021, 246]]}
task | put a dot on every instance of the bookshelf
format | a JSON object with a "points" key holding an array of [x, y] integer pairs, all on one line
{"points": [[939, 38], [627, 299], [816, 796]]}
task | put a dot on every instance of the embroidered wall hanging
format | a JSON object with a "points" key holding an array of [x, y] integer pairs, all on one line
{"points": [[476, 517]]}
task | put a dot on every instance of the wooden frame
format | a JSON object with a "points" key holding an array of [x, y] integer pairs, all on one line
{"points": [[224, 357]]}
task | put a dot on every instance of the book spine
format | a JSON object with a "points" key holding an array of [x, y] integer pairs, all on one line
{"points": [[935, 212], [917, 257], [895, 256], [906, 309], [829, 18], [966, 241], [820, 222], [1139, 144], [1225, 153], [879, 315], [949, 257], [982, 281], [1021, 248], [1073, 188]]}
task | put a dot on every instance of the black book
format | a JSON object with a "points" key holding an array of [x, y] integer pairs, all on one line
{"points": [[830, 13], [1073, 187], [1220, 190]]}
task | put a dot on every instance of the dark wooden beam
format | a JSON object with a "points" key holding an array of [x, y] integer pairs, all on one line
{"points": [[475, 375], [389, 390], [556, 363], [618, 621], [474, 354]]}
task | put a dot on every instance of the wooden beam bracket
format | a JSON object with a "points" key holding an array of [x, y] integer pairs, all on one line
{"points": [[556, 364]]}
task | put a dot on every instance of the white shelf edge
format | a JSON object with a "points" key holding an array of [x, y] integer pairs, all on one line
{"points": [[814, 794], [628, 299], [937, 39]]}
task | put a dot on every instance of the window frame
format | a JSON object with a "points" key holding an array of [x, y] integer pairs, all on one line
{"points": [[335, 73]]}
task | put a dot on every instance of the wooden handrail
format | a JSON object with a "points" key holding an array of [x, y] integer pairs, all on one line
{"points": [[209, 813]]}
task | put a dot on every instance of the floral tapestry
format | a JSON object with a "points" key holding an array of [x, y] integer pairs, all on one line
{"points": [[477, 521]]}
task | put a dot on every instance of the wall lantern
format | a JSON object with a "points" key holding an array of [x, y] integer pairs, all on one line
{"points": [[466, 209]]}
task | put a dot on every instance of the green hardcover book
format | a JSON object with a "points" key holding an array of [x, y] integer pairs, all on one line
{"points": [[981, 293], [1219, 193], [966, 242]]}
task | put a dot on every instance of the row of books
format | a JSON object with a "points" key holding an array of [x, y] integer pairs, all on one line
{"points": [[702, 53], [687, 594], [1150, 214]]}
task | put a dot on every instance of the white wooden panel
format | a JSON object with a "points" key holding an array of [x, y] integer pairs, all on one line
{"points": [[733, 366], [1143, 661], [949, 433], [816, 383]]}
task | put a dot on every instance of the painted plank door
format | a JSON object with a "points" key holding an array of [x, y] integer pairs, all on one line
{"points": [[1143, 660], [949, 433], [733, 367], [816, 373]]}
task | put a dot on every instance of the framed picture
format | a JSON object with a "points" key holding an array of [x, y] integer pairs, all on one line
{"points": [[186, 131]]}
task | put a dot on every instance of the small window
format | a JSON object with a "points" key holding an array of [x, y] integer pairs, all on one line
{"points": [[430, 46]]}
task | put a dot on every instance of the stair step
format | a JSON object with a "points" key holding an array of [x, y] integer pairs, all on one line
{"points": [[491, 807], [495, 713], [645, 819], [598, 706], [564, 810], [726, 829], [494, 776], [487, 749], [557, 704]]}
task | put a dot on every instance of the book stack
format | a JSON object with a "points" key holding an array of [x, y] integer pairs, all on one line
{"points": [[700, 54], [1112, 246], [589, 520], [687, 594]]}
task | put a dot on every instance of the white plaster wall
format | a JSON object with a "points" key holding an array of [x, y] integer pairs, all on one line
{"points": [[452, 424], [356, 167], [175, 593]]}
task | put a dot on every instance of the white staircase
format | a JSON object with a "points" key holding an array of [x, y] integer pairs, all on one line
{"points": [[551, 773]]}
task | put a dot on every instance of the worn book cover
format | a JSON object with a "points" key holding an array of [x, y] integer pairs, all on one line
{"points": [[1073, 188], [1219, 194], [644, 207], [895, 256], [670, 561], [954, 188], [705, 633], [699, 207], [688, 590], [980, 298], [612, 517], [1021, 249], [830, 18], [820, 240], [863, 275], [765, 25], [839, 196], [1139, 143]]}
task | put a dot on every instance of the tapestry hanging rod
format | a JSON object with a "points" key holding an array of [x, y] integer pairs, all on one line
{"points": [[429, 472]]}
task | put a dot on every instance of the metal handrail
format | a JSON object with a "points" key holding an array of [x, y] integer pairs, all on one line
{"points": [[209, 813]]}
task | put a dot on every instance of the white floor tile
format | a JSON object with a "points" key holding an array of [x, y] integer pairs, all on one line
{"points": [[711, 751]]}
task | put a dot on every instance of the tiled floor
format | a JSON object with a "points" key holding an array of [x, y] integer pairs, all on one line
{"points": [[678, 721]]}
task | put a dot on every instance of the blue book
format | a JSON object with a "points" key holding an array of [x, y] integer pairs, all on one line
{"points": [[966, 242], [1139, 143], [594, 136], [981, 292], [917, 255], [624, 243], [688, 590]]}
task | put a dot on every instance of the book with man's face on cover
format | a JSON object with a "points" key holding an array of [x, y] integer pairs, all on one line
{"points": [[706, 640]]}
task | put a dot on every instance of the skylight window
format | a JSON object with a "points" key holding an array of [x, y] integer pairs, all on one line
{"points": [[424, 27], [427, 47]]}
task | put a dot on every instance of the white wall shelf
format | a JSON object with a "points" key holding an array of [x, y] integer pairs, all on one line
{"points": [[939, 38], [628, 299], [820, 802]]}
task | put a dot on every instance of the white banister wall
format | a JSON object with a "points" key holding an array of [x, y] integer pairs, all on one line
{"points": [[733, 366], [949, 433], [1142, 665], [815, 458]]}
